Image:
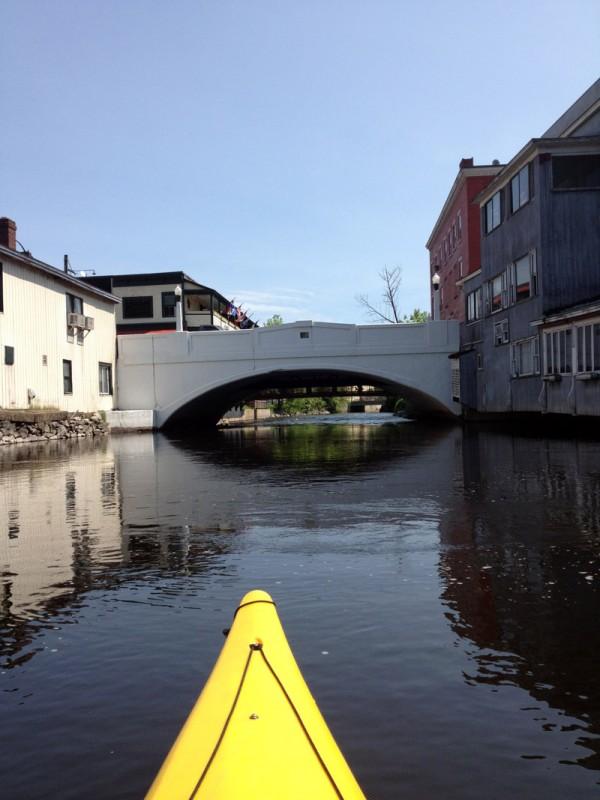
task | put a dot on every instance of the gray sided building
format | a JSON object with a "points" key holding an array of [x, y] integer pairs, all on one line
{"points": [[531, 339]]}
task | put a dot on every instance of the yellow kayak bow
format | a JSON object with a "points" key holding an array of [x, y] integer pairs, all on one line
{"points": [[255, 732]]}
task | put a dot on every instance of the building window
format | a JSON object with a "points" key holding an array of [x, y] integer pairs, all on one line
{"points": [[304, 335], [479, 360], [526, 357], [196, 302], [168, 304], [519, 189], [74, 304], [474, 305], [576, 172], [497, 289], [9, 355], [558, 352], [501, 335], [493, 212], [105, 378], [138, 307], [67, 377], [459, 265], [459, 225], [588, 347], [522, 279]]}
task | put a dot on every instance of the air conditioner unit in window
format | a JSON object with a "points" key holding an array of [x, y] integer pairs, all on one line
{"points": [[76, 320], [89, 324]]}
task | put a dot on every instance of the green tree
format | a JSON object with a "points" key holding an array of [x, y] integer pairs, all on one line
{"points": [[274, 321], [417, 316]]}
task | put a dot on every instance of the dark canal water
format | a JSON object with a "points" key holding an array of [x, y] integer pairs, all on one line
{"points": [[441, 591]]}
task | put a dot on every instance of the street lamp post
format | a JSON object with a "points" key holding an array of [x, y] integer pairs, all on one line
{"points": [[435, 280], [178, 310]]}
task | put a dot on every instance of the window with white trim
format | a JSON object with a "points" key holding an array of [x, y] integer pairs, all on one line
{"points": [[526, 357], [105, 378], [497, 293], [459, 225], [493, 212], [558, 353], [523, 275], [474, 305], [588, 347], [519, 189]]}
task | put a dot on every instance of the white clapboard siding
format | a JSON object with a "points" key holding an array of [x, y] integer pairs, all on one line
{"points": [[34, 323]]}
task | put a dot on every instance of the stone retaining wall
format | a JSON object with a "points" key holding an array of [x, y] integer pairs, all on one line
{"points": [[18, 427]]}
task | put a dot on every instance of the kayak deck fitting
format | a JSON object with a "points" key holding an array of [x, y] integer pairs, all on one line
{"points": [[255, 732]]}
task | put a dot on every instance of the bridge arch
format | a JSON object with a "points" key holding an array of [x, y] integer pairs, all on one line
{"points": [[206, 405], [196, 377]]}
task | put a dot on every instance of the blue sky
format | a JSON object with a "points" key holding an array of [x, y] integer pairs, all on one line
{"points": [[282, 152]]}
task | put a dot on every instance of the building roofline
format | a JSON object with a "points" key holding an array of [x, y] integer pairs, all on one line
{"points": [[133, 279], [533, 147], [168, 274], [54, 272], [578, 112], [571, 312], [468, 277], [463, 174]]}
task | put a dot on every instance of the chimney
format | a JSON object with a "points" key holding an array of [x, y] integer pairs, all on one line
{"points": [[465, 162], [8, 233]]}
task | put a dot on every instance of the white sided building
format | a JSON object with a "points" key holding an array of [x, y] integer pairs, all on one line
{"points": [[57, 335]]}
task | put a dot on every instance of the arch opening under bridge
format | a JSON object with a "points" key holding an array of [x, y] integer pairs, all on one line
{"points": [[207, 407]]}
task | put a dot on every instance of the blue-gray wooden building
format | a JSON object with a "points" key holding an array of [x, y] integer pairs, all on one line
{"points": [[531, 339]]}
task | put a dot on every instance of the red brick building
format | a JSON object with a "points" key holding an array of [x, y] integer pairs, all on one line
{"points": [[454, 243]]}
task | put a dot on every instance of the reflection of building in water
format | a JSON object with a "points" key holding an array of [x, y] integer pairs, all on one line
{"points": [[60, 508], [517, 553], [85, 515], [176, 512]]}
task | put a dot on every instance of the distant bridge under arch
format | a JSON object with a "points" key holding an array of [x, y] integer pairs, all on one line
{"points": [[194, 378]]}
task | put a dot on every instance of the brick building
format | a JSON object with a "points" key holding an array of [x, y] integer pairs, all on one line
{"points": [[454, 243]]}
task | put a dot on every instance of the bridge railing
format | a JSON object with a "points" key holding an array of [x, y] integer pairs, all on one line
{"points": [[295, 339]]}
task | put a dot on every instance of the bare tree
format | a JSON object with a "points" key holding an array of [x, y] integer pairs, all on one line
{"points": [[388, 311]]}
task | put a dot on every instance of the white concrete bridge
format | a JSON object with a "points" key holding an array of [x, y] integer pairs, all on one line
{"points": [[196, 377]]}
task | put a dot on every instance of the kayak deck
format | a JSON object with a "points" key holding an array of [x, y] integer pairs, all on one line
{"points": [[255, 731]]}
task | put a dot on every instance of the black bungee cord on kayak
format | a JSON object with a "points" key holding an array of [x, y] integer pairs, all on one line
{"points": [[256, 647]]}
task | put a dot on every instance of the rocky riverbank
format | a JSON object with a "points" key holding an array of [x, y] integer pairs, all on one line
{"points": [[29, 426]]}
